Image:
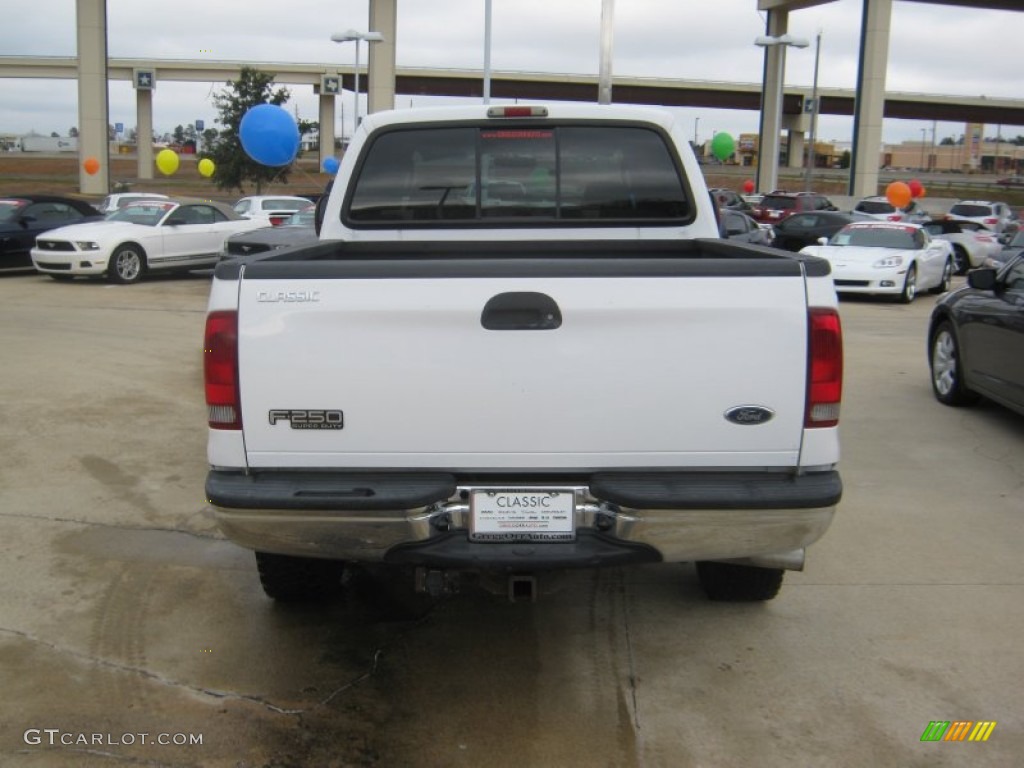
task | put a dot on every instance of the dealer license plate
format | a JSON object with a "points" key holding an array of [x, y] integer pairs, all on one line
{"points": [[509, 515]]}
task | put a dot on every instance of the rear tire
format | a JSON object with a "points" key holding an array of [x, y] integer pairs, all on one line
{"points": [[291, 579], [947, 278], [961, 259], [729, 582]]}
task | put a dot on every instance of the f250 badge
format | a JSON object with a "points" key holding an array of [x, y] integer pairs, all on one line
{"points": [[308, 419], [749, 415]]}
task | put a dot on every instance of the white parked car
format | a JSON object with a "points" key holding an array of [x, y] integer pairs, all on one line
{"points": [[270, 209], [880, 209], [973, 243], [877, 257], [119, 200], [141, 237], [998, 217]]}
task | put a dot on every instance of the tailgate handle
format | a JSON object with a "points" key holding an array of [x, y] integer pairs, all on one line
{"points": [[521, 311]]}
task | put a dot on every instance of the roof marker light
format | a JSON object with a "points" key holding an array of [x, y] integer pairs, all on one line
{"points": [[517, 111]]}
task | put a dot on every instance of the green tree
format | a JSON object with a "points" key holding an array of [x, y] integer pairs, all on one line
{"points": [[233, 166], [179, 134]]}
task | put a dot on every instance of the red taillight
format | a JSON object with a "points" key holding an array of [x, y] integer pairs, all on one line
{"points": [[895, 217], [990, 221], [824, 368], [220, 370]]}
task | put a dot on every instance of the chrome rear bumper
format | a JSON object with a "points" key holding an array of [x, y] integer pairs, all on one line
{"points": [[754, 526]]}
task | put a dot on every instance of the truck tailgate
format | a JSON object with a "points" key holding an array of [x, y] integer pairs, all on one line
{"points": [[358, 365]]}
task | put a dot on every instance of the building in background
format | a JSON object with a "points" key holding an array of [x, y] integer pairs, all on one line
{"points": [[973, 154]]}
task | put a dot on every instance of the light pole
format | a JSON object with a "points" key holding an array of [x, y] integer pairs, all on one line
{"points": [[780, 43], [347, 36], [696, 125], [811, 153], [604, 76], [924, 133], [487, 52]]}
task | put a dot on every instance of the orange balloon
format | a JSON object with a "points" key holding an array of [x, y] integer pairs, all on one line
{"points": [[91, 165], [898, 194]]}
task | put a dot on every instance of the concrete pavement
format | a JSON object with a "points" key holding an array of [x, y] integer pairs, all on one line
{"points": [[123, 612]]}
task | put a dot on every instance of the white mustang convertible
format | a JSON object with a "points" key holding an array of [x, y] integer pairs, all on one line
{"points": [[143, 236], [876, 257]]}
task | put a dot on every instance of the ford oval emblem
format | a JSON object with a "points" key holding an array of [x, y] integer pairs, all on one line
{"points": [[749, 415]]}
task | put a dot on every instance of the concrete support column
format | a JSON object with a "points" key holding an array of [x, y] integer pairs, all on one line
{"points": [[327, 104], [771, 104], [869, 102], [91, 27], [380, 67], [144, 132], [795, 149]]}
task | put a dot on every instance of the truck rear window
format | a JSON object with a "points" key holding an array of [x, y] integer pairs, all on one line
{"points": [[504, 174]]}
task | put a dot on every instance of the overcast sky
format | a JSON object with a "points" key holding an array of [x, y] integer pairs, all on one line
{"points": [[934, 49]]}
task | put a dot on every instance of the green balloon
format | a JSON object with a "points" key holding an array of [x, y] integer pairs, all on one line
{"points": [[722, 146]]}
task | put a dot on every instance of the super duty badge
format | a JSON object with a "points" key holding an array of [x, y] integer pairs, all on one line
{"points": [[308, 419]]}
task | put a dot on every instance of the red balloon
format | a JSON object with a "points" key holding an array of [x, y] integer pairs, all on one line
{"points": [[916, 188], [748, 186], [91, 165], [898, 194]]}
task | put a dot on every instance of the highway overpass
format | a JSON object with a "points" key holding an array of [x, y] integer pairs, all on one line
{"points": [[868, 102]]}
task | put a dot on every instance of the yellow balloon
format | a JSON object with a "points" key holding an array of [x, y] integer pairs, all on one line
{"points": [[206, 167], [167, 161]]}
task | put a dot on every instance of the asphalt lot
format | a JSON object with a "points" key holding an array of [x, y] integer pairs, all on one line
{"points": [[123, 612]]}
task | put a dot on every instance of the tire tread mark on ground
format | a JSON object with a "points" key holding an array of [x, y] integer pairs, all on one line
{"points": [[148, 674]]}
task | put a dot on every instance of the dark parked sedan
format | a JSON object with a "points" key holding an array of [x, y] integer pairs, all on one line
{"points": [[297, 229], [22, 217], [802, 229], [976, 339]]}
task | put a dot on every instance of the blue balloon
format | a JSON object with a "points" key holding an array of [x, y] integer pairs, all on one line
{"points": [[331, 165], [269, 135]]}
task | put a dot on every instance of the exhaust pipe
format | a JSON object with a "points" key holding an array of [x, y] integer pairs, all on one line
{"points": [[789, 561], [522, 588]]}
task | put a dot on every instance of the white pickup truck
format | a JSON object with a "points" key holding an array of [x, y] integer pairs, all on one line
{"points": [[520, 346]]}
